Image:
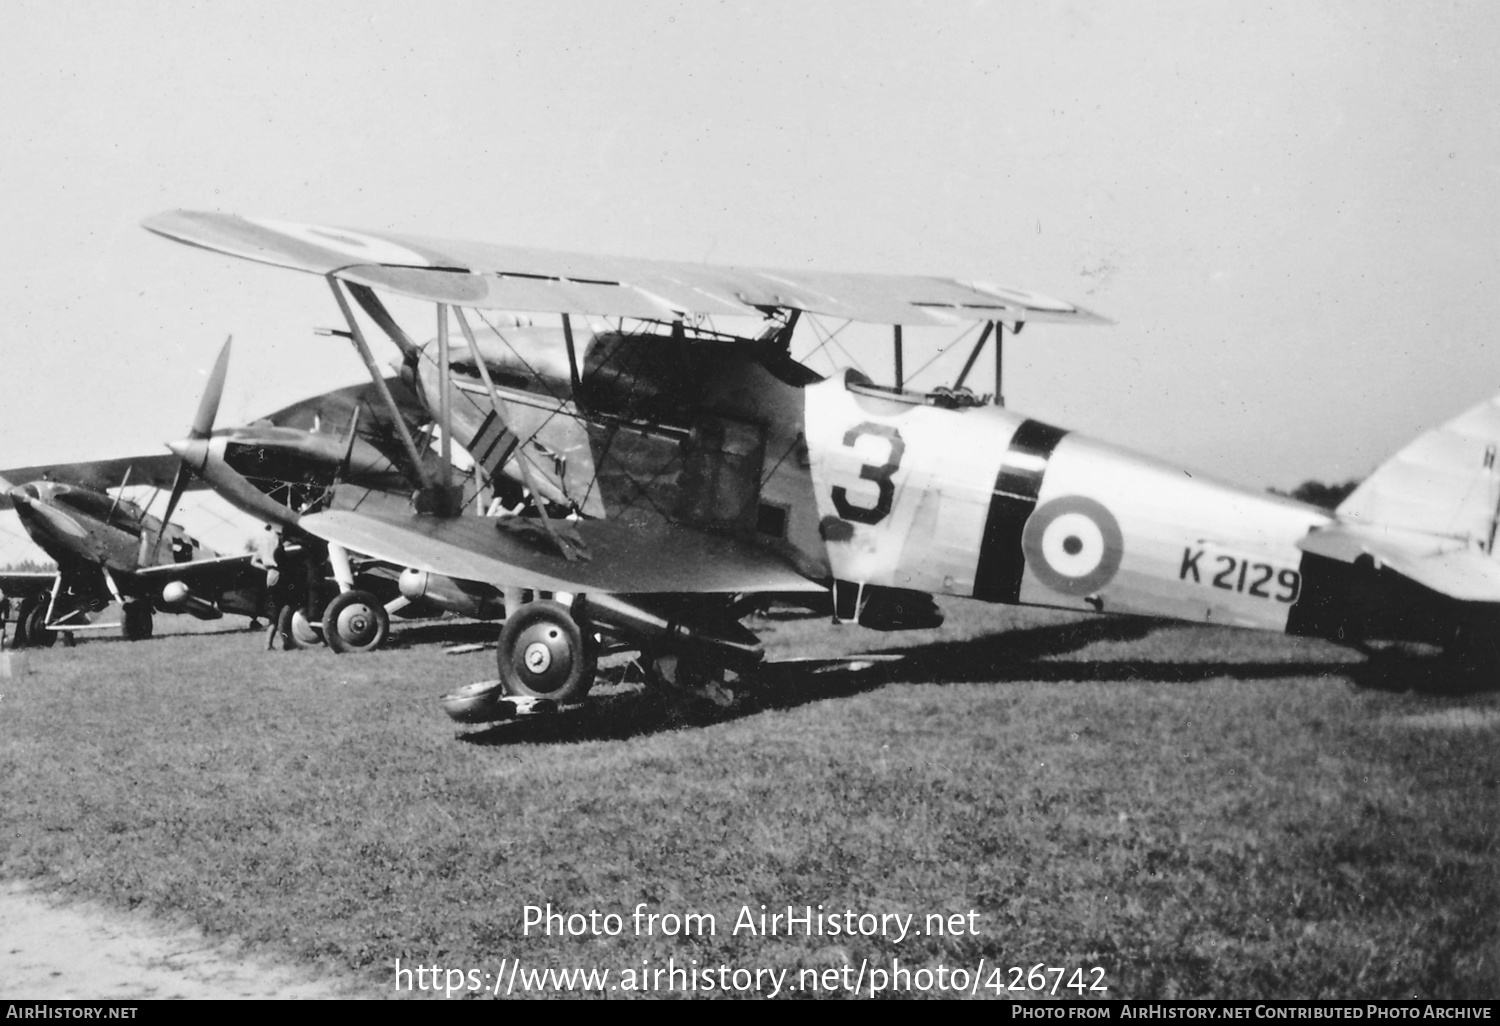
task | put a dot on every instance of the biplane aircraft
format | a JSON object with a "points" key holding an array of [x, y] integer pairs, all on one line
{"points": [[110, 550], [679, 477], [337, 450]]}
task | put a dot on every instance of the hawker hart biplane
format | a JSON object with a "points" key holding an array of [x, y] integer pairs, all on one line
{"points": [[679, 477], [111, 550], [333, 450]]}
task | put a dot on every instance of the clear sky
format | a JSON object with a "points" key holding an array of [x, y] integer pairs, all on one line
{"points": [[1291, 210]]}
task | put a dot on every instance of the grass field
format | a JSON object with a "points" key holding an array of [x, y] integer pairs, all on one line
{"points": [[1198, 812]]}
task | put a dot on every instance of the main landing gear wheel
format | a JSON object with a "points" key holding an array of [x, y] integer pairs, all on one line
{"points": [[35, 622], [22, 636], [543, 653], [294, 629], [137, 624], [355, 622]]}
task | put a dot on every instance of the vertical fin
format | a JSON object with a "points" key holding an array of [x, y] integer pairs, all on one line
{"points": [[1445, 483]]}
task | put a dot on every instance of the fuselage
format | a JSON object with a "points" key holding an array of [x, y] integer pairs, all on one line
{"points": [[987, 503], [878, 488], [104, 546], [275, 473], [76, 525]]}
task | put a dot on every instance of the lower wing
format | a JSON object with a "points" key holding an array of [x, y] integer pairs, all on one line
{"points": [[23, 584], [515, 552], [218, 573]]}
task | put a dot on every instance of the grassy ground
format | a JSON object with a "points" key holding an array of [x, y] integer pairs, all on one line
{"points": [[1199, 812]]}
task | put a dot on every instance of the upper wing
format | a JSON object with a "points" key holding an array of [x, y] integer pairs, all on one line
{"points": [[155, 470], [491, 276], [624, 559]]}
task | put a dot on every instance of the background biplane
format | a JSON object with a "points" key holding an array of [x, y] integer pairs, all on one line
{"points": [[332, 450], [324, 451], [705, 473], [109, 549], [299, 460]]}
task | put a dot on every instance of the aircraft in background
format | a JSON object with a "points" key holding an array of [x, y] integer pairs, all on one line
{"points": [[708, 473], [110, 550], [297, 461]]}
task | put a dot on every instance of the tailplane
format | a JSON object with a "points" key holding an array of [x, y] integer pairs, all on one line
{"points": [[1430, 513]]}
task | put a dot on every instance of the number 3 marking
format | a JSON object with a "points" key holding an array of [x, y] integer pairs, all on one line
{"points": [[880, 474]]}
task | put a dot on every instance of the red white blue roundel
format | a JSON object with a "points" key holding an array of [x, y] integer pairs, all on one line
{"points": [[1073, 545], [358, 246]]}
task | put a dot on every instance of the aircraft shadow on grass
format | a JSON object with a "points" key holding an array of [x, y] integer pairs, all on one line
{"points": [[1022, 655], [1398, 670], [418, 634]]}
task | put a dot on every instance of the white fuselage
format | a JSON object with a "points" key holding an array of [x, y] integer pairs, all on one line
{"points": [[888, 489], [983, 502]]}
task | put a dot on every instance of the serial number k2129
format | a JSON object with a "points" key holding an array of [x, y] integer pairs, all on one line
{"points": [[1240, 574]]}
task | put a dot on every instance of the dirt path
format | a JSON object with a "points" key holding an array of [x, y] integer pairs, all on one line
{"points": [[50, 950]]}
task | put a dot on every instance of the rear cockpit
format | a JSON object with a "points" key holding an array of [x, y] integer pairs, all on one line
{"points": [[943, 397]]}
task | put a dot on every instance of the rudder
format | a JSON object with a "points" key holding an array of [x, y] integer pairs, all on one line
{"points": [[1446, 483]]}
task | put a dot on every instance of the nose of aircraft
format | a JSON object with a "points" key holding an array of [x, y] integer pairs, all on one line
{"points": [[192, 451], [28, 502]]}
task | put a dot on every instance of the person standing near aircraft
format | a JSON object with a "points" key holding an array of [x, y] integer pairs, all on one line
{"points": [[281, 583], [294, 582], [267, 544]]}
